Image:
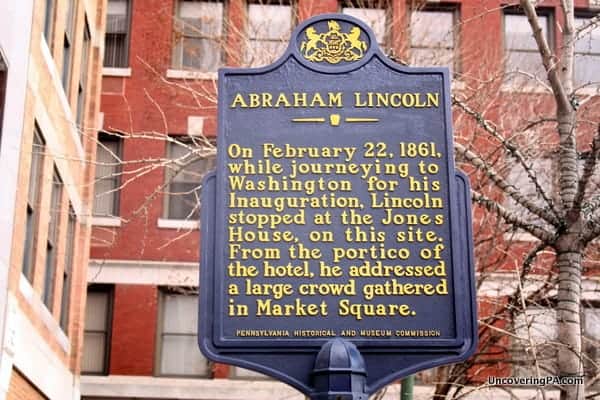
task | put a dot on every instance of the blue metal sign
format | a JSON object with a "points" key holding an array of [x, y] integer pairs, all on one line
{"points": [[335, 222]]}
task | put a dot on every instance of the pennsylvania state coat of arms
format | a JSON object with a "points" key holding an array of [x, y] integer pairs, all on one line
{"points": [[333, 46]]}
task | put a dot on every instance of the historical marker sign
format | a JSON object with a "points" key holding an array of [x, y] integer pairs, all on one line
{"points": [[335, 212]]}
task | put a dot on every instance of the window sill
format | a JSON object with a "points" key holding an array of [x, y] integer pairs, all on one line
{"points": [[591, 90], [187, 74], [178, 224], [526, 88], [123, 72], [106, 221]]}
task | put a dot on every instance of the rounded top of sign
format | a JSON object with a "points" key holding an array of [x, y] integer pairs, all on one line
{"points": [[334, 42]]}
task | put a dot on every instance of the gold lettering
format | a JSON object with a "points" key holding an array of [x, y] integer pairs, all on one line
{"points": [[254, 100], [433, 99], [266, 100], [282, 100], [300, 99], [317, 101], [239, 101], [335, 99]]}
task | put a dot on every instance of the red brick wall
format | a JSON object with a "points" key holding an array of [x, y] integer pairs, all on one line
{"points": [[133, 330]]}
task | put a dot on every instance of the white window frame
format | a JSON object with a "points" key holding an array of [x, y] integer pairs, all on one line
{"points": [[545, 333], [162, 331], [520, 80], [107, 291], [454, 12], [360, 8], [257, 37], [52, 239], [179, 40], [34, 193], [119, 60], [586, 16], [103, 139], [191, 220]]}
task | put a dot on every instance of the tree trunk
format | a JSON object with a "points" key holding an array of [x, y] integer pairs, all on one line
{"points": [[569, 321]]}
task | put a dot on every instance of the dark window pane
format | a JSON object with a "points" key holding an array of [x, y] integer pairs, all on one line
{"points": [[108, 167], [81, 97], [49, 20], [96, 331], [33, 194], [28, 245], [184, 200], [183, 184], [51, 246], [67, 274], [116, 40], [66, 71]]}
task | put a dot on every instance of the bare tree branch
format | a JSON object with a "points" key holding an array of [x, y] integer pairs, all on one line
{"points": [[548, 58], [493, 206], [588, 171], [510, 147], [537, 122], [507, 188], [592, 230], [593, 23], [568, 55]]}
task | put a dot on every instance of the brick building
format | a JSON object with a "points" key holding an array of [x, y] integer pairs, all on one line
{"points": [[50, 64], [159, 105]]}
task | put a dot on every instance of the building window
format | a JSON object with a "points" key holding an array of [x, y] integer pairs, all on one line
{"points": [[52, 239], [68, 270], [587, 54], [546, 175], [198, 35], [537, 329], [33, 196], [433, 37], [178, 352], [108, 173], [376, 14], [68, 46], [535, 335], [183, 178], [523, 62], [83, 73], [269, 27], [116, 45], [49, 21], [96, 335]]}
